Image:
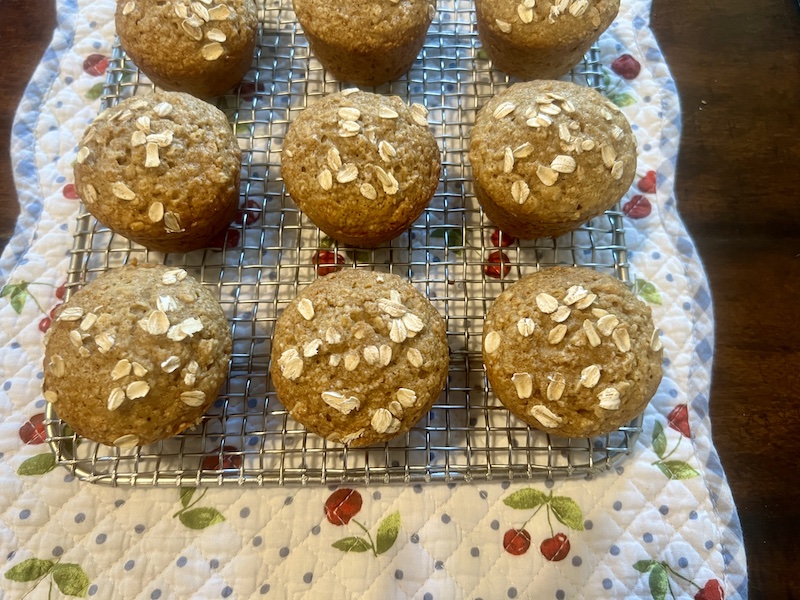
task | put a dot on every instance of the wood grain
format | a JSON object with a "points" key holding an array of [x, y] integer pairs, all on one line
{"points": [[737, 67]]}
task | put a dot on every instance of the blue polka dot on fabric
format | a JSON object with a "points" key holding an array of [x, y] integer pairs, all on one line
{"points": [[617, 505], [263, 589], [588, 524], [512, 592], [495, 525], [7, 386], [101, 538], [376, 495], [687, 306], [58, 551], [315, 530], [92, 590], [80, 518], [129, 565], [577, 561], [614, 550], [398, 574], [445, 518], [155, 594], [257, 541], [483, 494], [669, 277], [24, 514], [505, 485], [656, 255], [607, 584], [40, 375], [438, 565], [181, 562], [663, 509], [560, 595], [213, 563], [139, 528], [283, 552], [648, 537], [417, 489], [682, 562], [709, 545], [549, 483], [414, 538], [693, 515], [226, 591], [39, 403], [244, 513], [288, 501], [427, 596], [475, 552], [308, 577]]}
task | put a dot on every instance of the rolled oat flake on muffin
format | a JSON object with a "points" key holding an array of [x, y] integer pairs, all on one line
{"points": [[587, 375], [113, 370], [366, 364]]}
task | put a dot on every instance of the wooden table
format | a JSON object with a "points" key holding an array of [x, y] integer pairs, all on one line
{"points": [[737, 66]]}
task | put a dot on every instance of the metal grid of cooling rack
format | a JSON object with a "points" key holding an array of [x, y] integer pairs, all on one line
{"points": [[268, 254]]}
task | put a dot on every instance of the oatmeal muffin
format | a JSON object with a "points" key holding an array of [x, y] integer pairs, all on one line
{"points": [[203, 48], [361, 166], [137, 355], [359, 357], [572, 352], [547, 156], [162, 170], [366, 43], [541, 39]]}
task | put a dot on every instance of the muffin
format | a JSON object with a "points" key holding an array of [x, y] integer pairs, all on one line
{"points": [[359, 357], [542, 39], [202, 48], [162, 170], [572, 351], [137, 355], [361, 166], [547, 156], [366, 43]]}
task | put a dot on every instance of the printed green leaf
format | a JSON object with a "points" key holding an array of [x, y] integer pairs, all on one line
{"points": [[526, 499], [326, 242], [567, 512], [623, 99], [17, 294], [95, 91], [482, 54], [387, 533], [200, 518], [452, 237], [29, 570], [186, 495], [37, 465], [352, 544], [243, 128], [677, 469], [363, 256], [659, 439], [606, 79], [71, 579], [643, 566], [659, 582], [648, 291]]}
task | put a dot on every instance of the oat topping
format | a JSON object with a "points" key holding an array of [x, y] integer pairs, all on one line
{"points": [[590, 376], [105, 342], [351, 360], [561, 314], [609, 398], [606, 324], [555, 389], [406, 397], [127, 441], [332, 336], [116, 398], [172, 223], [419, 114], [343, 404], [173, 276], [526, 326], [504, 109], [586, 302], [520, 191], [291, 364], [546, 303], [121, 369], [51, 396], [557, 334], [523, 383], [137, 389], [368, 191], [156, 212], [384, 112], [128, 8], [503, 26], [655, 341], [546, 175], [385, 353], [82, 155], [621, 339], [508, 160], [591, 333], [325, 180], [372, 355], [57, 366], [122, 191], [545, 416], [193, 398], [306, 309], [72, 313], [563, 164], [381, 420], [492, 342], [170, 364], [312, 348]]}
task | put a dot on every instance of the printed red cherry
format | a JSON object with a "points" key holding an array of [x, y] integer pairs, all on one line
{"points": [[637, 207], [228, 238], [69, 191], [54, 310], [678, 420], [711, 591], [647, 184], [214, 462], [516, 541], [555, 548], [626, 66], [498, 265], [250, 214], [32, 432], [44, 324], [248, 89], [342, 505], [95, 64], [61, 291], [327, 262], [502, 240]]}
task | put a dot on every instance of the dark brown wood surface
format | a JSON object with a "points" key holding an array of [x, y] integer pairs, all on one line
{"points": [[737, 67]]}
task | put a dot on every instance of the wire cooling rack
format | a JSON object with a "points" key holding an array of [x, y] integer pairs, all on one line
{"points": [[269, 254]]}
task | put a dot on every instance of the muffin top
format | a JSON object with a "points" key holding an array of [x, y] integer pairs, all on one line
{"points": [[361, 166], [358, 357], [158, 165], [572, 351], [364, 26], [183, 37], [545, 22], [549, 152], [136, 355]]}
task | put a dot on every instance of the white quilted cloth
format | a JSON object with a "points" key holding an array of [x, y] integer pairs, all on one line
{"points": [[662, 523]]}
